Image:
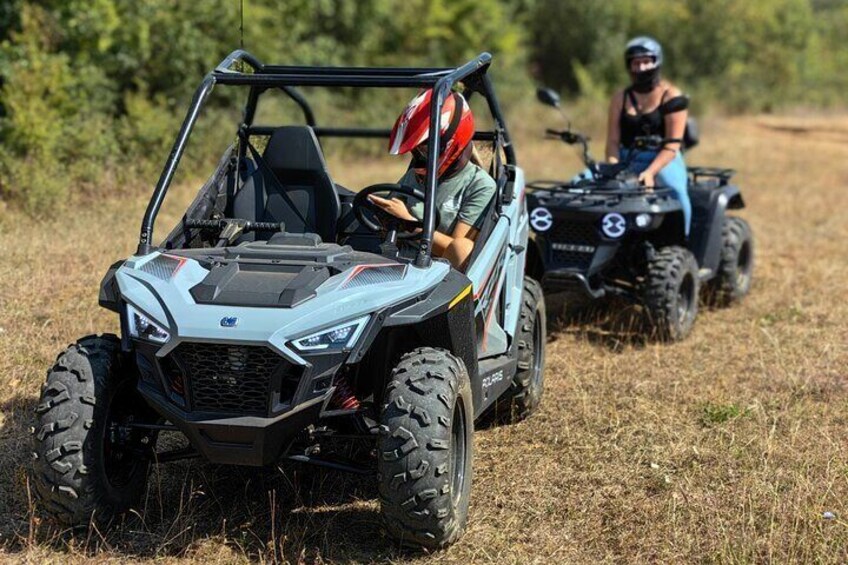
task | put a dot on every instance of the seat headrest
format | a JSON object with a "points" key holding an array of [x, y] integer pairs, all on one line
{"points": [[294, 148]]}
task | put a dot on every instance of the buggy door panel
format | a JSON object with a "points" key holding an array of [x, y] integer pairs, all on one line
{"points": [[487, 274], [516, 211], [514, 285]]}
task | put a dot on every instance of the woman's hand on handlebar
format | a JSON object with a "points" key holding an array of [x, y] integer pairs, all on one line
{"points": [[646, 178]]}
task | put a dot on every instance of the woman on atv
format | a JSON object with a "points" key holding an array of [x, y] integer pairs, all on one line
{"points": [[650, 106], [464, 189]]}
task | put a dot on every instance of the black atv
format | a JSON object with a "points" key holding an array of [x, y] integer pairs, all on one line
{"points": [[603, 234]]}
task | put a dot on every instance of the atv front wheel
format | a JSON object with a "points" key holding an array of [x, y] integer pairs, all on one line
{"points": [[671, 292], [87, 464], [425, 449], [736, 266], [525, 393]]}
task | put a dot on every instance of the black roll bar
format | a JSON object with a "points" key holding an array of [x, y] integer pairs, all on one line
{"points": [[442, 80]]}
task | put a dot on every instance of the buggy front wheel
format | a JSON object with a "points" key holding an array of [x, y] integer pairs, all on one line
{"points": [[425, 449]]}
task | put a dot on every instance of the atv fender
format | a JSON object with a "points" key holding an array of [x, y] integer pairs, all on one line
{"points": [[709, 207]]}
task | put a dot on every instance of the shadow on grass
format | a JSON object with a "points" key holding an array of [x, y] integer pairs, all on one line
{"points": [[17, 417], [609, 322], [291, 513]]}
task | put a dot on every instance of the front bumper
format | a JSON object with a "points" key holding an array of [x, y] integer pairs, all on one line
{"points": [[569, 282], [227, 410], [244, 440]]}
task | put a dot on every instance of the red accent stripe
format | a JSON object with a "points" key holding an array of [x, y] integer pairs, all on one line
{"points": [[359, 268], [479, 292], [180, 260]]}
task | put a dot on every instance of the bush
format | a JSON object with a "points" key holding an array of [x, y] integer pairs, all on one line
{"points": [[92, 91]]}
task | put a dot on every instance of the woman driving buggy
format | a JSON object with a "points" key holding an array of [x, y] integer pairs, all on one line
{"points": [[464, 190], [650, 106]]}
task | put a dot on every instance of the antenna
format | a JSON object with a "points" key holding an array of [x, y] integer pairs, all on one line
{"points": [[241, 23]]}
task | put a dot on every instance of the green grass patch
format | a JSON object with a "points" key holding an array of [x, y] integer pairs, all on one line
{"points": [[716, 414]]}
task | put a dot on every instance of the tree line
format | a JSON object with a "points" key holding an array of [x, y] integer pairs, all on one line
{"points": [[92, 91]]}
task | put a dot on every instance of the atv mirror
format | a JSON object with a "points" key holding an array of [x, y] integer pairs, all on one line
{"points": [[548, 97]]}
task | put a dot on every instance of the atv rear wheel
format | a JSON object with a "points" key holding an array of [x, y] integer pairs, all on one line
{"points": [[525, 393], [425, 449], [736, 266], [88, 465], [671, 292]]}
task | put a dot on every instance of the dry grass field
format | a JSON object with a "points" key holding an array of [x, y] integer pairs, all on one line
{"points": [[726, 448]]}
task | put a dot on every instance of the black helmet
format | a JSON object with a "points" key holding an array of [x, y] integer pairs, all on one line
{"points": [[641, 47]]}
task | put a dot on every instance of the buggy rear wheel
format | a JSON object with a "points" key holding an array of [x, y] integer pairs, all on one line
{"points": [[425, 449], [525, 393]]}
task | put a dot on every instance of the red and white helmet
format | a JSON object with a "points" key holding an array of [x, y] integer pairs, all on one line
{"points": [[412, 128]]}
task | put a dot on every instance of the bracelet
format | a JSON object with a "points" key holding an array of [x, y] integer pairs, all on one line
{"points": [[669, 149]]}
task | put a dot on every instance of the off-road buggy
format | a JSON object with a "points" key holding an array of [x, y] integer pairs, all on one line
{"points": [[283, 318], [602, 234]]}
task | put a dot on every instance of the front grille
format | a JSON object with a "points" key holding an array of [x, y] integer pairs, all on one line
{"points": [[231, 379], [572, 260], [575, 234], [578, 233]]}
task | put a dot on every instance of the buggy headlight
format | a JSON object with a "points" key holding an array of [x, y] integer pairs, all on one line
{"points": [[337, 338], [142, 327]]}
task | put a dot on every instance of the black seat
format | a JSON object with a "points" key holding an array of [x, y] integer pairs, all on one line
{"points": [[301, 194]]}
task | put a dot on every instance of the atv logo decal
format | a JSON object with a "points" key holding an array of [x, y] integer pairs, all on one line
{"points": [[229, 322], [573, 247], [541, 219], [613, 225]]}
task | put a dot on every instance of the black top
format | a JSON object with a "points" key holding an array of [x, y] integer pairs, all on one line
{"points": [[648, 123]]}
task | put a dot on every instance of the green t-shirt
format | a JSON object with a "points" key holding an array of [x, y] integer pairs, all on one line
{"points": [[464, 196]]}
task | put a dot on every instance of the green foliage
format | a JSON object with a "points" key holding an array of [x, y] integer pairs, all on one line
{"points": [[738, 54], [54, 126], [92, 91]]}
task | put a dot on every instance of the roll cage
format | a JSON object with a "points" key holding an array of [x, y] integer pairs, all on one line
{"points": [[472, 74]]}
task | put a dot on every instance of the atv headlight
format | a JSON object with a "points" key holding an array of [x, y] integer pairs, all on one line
{"points": [[643, 220], [142, 327], [339, 337]]}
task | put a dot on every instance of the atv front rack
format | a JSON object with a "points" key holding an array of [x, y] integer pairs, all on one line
{"points": [[588, 190]]}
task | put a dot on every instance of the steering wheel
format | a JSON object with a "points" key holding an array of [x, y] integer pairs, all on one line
{"points": [[378, 220]]}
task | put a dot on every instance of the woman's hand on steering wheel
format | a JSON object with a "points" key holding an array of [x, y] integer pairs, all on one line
{"points": [[389, 215], [394, 206]]}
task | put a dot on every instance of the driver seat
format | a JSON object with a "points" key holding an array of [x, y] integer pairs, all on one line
{"points": [[302, 182]]}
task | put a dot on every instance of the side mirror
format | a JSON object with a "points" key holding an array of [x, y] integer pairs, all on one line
{"points": [[548, 97]]}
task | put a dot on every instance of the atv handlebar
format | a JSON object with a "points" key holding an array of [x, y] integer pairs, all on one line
{"points": [[574, 138], [568, 137]]}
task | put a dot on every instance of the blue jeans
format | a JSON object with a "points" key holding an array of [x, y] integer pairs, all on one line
{"points": [[673, 176]]}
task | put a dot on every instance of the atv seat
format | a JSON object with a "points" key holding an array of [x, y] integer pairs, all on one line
{"points": [[300, 193]]}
